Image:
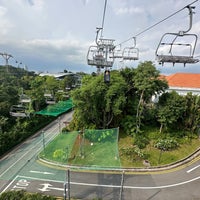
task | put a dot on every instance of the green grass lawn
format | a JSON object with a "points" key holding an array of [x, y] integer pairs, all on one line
{"points": [[155, 156], [103, 154]]}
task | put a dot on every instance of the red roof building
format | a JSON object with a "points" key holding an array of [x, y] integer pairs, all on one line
{"points": [[184, 83]]}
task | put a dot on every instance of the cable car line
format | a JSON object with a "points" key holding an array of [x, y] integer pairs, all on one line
{"points": [[152, 26], [103, 54], [104, 13]]}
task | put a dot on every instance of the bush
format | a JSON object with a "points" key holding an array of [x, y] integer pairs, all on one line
{"points": [[166, 144], [101, 136], [128, 124], [141, 141], [133, 153], [59, 154], [22, 195]]}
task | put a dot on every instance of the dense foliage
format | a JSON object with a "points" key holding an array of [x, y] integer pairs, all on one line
{"points": [[22, 195], [15, 84], [127, 102], [124, 102], [98, 104]]}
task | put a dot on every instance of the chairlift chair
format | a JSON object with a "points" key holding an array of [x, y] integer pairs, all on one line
{"points": [[18, 111], [172, 56], [98, 57], [117, 53], [24, 99], [49, 98], [107, 44], [131, 53], [171, 48]]}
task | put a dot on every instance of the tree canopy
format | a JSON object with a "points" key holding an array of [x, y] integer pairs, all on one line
{"points": [[124, 102], [97, 103]]}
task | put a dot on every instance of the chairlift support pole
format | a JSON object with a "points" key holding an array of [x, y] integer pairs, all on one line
{"points": [[6, 57]]}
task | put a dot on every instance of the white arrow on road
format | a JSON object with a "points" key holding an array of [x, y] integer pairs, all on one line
{"points": [[48, 187], [39, 172]]}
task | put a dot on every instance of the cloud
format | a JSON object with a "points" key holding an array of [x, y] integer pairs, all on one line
{"points": [[37, 4], [58, 33], [5, 24], [60, 50], [129, 11], [85, 2]]}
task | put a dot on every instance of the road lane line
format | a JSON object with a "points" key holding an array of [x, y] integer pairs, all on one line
{"points": [[25, 155], [118, 186], [9, 185], [16, 162], [39, 172], [190, 170], [40, 179]]}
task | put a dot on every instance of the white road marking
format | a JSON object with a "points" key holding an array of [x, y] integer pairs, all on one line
{"points": [[118, 186], [26, 154], [40, 179], [48, 187], [9, 185], [39, 172], [190, 170]]}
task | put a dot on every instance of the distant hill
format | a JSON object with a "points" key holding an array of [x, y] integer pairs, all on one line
{"points": [[14, 71]]}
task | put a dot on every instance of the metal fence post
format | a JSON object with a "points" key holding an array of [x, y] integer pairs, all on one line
{"points": [[68, 183], [122, 186]]}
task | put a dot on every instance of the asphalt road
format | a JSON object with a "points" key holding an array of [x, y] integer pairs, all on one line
{"points": [[20, 169]]}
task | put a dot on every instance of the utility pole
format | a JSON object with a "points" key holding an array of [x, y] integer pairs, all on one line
{"points": [[6, 58]]}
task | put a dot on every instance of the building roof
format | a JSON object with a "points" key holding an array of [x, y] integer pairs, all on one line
{"points": [[56, 75], [186, 80]]}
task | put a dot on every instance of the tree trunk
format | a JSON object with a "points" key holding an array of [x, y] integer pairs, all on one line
{"points": [[161, 127], [138, 114]]}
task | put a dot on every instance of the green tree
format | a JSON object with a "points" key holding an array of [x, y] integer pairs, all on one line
{"points": [[98, 104], [3, 121], [147, 83], [37, 92], [51, 84], [192, 113], [69, 81], [171, 107]]}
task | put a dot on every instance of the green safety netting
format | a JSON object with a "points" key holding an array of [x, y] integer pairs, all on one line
{"points": [[92, 149], [57, 109], [97, 149], [59, 149]]}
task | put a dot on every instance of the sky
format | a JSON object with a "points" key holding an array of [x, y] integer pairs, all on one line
{"points": [[53, 36]]}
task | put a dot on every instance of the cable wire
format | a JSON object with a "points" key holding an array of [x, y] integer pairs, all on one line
{"points": [[104, 13], [147, 29]]}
